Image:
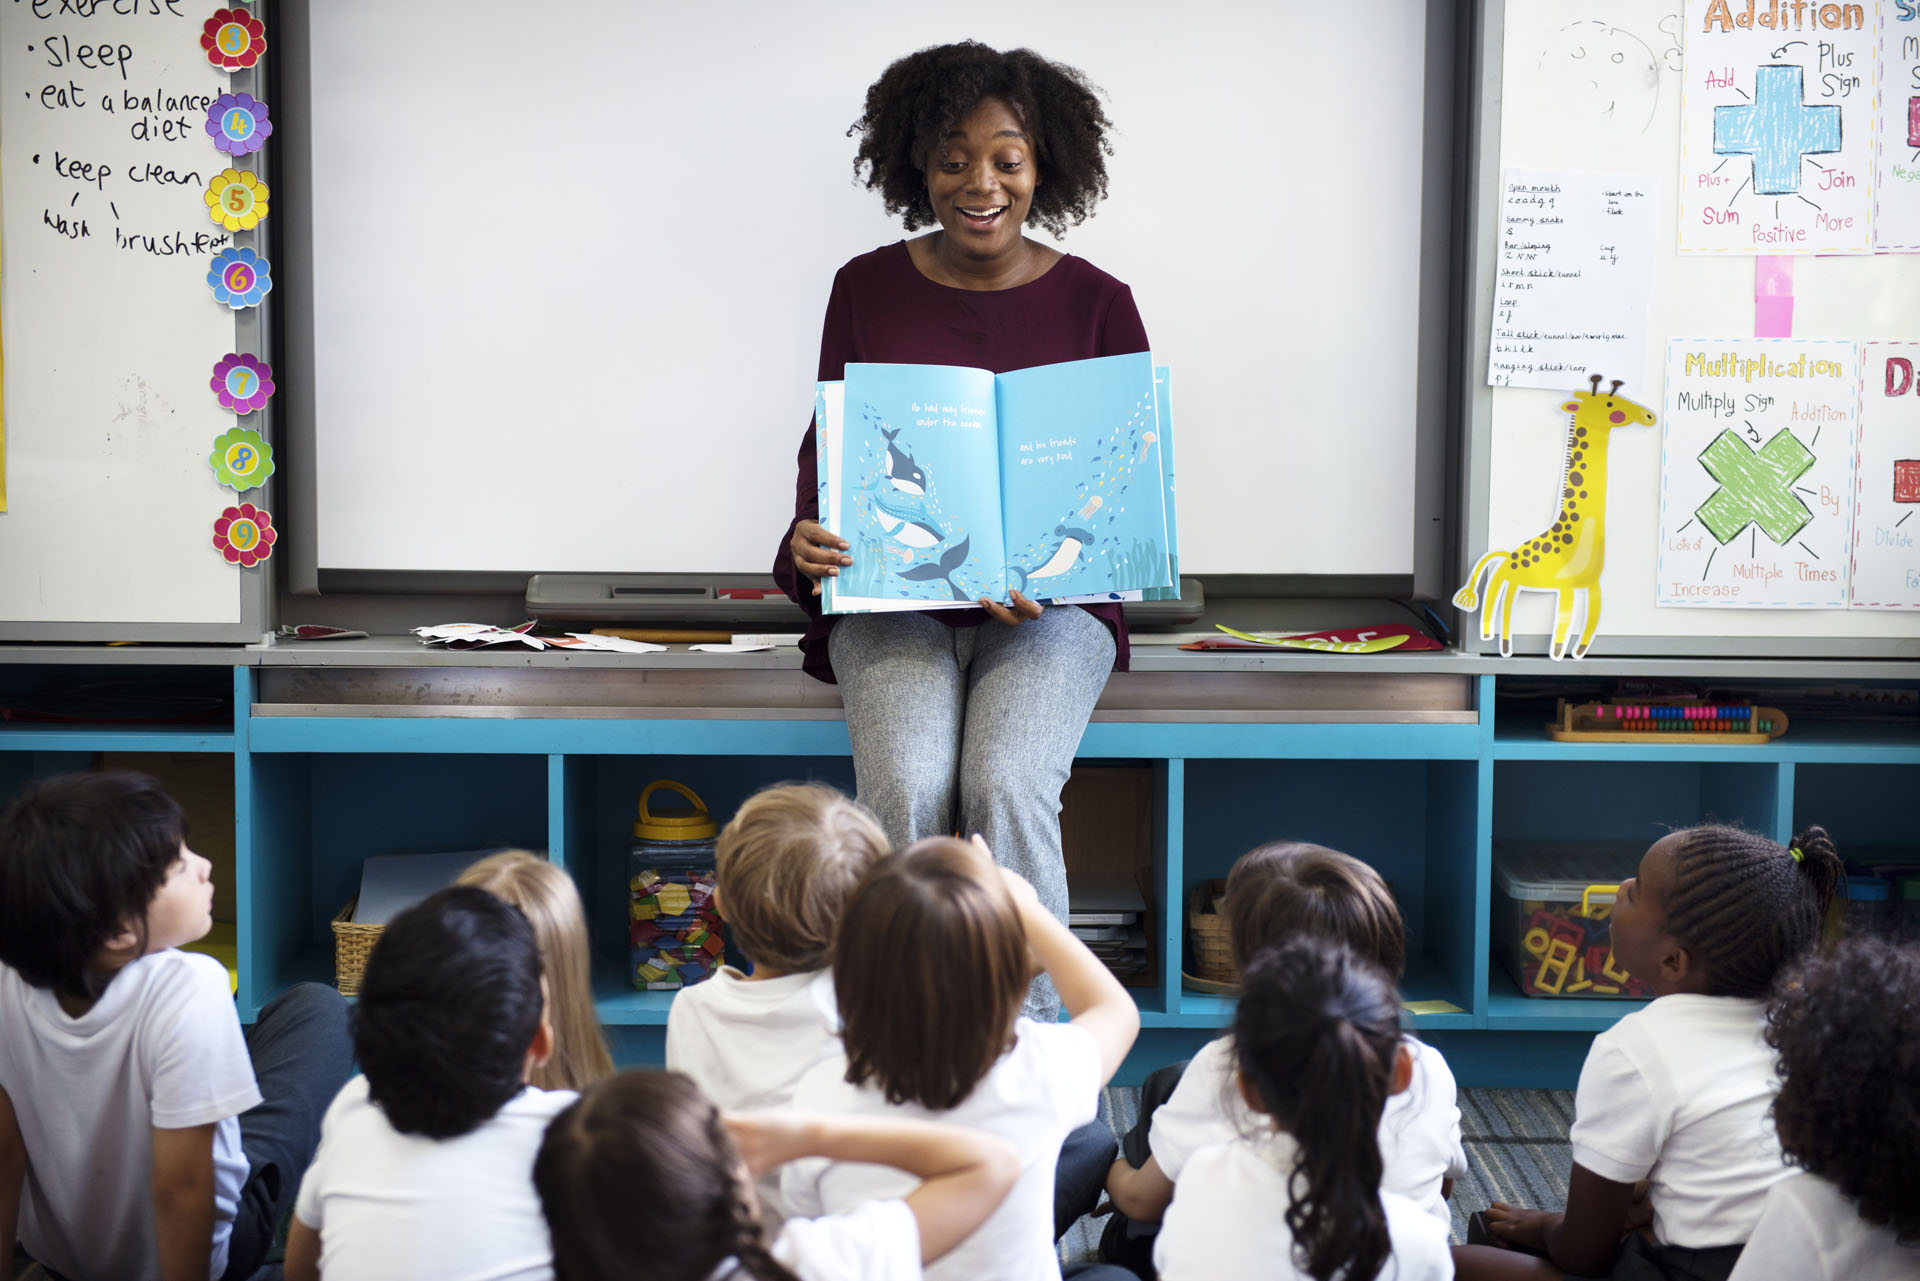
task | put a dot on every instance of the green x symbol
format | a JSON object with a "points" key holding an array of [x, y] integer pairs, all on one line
{"points": [[1753, 486]]}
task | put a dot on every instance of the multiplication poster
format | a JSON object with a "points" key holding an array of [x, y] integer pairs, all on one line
{"points": [[1896, 217], [1756, 472], [1777, 120], [1886, 530]]}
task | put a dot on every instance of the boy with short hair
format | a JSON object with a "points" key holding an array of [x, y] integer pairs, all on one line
{"points": [[124, 1073], [425, 1165]]}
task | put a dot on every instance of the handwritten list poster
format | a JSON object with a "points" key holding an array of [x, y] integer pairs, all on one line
{"points": [[1886, 523], [110, 329], [1896, 204], [1575, 271]]}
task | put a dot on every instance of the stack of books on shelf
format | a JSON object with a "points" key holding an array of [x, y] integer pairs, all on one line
{"points": [[1113, 926]]}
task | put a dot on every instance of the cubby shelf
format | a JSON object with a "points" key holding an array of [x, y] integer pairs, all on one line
{"points": [[317, 788]]}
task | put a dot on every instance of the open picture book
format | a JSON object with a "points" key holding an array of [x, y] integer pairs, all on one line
{"points": [[950, 484]]}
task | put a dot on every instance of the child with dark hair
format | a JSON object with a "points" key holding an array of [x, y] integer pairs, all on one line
{"points": [[1276, 892], [143, 1132], [425, 1162], [656, 1131], [1677, 1093], [1317, 1053], [1847, 1026], [919, 1044]]}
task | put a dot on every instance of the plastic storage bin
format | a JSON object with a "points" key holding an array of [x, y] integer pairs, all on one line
{"points": [[1870, 905], [1551, 934], [673, 928]]}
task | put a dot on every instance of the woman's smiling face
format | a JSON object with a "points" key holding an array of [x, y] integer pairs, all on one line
{"points": [[980, 179]]}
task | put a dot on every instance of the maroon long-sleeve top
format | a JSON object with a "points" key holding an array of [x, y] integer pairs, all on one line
{"points": [[883, 310]]}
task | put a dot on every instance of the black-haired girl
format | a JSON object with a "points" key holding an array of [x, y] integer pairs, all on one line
{"points": [[1847, 1026], [967, 719], [1318, 1044], [1677, 1094]]}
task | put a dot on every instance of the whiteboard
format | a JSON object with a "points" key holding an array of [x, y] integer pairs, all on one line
{"points": [[568, 278], [1626, 119], [109, 345]]}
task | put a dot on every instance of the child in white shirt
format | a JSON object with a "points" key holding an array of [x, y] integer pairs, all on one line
{"points": [[933, 962], [425, 1165], [644, 1179], [143, 1133], [1317, 1053], [1678, 1093], [784, 868], [1275, 892], [1847, 1028]]}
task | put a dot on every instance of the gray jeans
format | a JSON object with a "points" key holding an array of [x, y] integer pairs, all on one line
{"points": [[988, 717]]}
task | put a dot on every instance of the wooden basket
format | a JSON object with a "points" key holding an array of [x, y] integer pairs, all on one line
{"points": [[1207, 934], [352, 944]]}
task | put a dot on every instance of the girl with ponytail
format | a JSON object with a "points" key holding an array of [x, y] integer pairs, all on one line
{"points": [[1677, 1094], [1318, 1046], [643, 1179]]}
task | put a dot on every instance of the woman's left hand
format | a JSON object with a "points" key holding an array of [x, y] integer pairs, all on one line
{"points": [[1022, 610]]}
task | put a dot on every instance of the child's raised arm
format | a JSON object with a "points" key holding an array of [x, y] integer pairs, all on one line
{"points": [[1093, 997], [964, 1174], [183, 1201], [13, 1174]]}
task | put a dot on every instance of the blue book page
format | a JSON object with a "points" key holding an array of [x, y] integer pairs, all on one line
{"points": [[1163, 402], [1081, 478], [917, 490]]}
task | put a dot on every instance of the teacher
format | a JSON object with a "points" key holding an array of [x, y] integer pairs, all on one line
{"points": [[968, 720]]}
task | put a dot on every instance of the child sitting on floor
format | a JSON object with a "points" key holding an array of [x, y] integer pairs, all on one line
{"points": [[1847, 1027], [935, 954], [644, 1180], [1276, 892], [546, 896], [143, 1134], [425, 1167], [1677, 1093], [1317, 1052]]}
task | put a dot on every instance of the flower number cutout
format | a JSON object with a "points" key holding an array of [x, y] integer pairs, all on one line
{"points": [[242, 383], [236, 199], [244, 535], [241, 459], [238, 123], [234, 39], [240, 278]]}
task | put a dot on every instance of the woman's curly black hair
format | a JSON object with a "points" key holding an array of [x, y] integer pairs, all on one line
{"points": [[919, 100], [1847, 1026]]}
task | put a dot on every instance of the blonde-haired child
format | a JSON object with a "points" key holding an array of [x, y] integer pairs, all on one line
{"points": [[546, 896], [936, 952]]}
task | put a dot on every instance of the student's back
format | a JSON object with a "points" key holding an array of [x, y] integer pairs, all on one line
{"points": [[425, 1165]]}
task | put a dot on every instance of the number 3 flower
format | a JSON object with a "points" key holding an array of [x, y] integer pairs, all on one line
{"points": [[233, 38], [236, 199]]}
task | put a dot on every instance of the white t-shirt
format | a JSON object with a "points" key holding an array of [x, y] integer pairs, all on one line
{"points": [[160, 1049], [749, 1042], [393, 1205], [1419, 1128], [1678, 1094], [1810, 1231], [1229, 1219], [880, 1241], [1041, 1089]]}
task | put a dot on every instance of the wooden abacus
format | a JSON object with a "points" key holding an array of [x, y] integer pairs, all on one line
{"points": [[1670, 720]]}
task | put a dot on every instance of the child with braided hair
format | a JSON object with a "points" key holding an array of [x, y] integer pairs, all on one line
{"points": [[699, 1216], [1677, 1094]]}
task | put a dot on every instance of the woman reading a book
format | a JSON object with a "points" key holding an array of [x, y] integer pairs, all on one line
{"points": [[968, 719]]}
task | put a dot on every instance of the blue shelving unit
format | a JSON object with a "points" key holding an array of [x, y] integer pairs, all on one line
{"points": [[1427, 803]]}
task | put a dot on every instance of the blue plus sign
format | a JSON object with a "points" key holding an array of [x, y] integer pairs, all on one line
{"points": [[1777, 130]]}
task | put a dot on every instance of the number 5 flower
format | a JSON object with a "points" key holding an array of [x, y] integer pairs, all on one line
{"points": [[236, 199]]}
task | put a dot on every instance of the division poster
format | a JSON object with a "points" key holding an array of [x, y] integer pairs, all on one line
{"points": [[1756, 473], [1777, 122], [1886, 529], [1896, 211]]}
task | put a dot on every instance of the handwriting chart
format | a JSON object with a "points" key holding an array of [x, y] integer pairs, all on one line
{"points": [[1886, 529], [1756, 473], [1575, 270], [1896, 210], [1777, 122]]}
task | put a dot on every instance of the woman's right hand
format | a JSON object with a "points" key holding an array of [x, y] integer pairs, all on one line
{"points": [[817, 551]]}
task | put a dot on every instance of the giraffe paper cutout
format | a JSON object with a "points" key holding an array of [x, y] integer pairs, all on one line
{"points": [[1565, 558]]}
